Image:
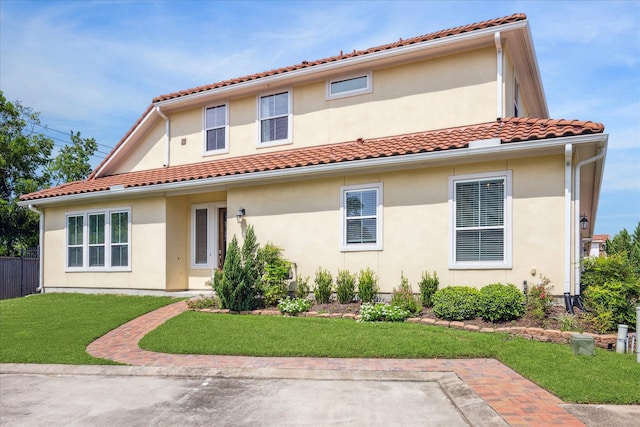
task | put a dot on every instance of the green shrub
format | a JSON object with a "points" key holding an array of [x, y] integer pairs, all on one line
{"points": [[204, 302], [345, 286], [456, 303], [275, 270], [382, 312], [367, 285], [428, 286], [498, 302], [293, 306], [403, 297], [323, 286], [539, 299], [600, 270], [302, 287], [613, 303]]}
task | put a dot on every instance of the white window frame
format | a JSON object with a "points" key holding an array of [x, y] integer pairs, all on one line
{"points": [[212, 234], [368, 89], [289, 115], [226, 129], [350, 247], [107, 240], [506, 262]]}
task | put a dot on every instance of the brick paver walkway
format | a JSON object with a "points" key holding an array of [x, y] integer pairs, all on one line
{"points": [[516, 399]]}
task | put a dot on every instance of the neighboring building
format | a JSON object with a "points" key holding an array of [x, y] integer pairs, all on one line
{"points": [[434, 153], [597, 245]]}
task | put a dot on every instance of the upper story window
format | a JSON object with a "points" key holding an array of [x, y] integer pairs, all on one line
{"points": [[361, 210], [216, 129], [349, 86], [480, 220], [274, 117], [98, 240]]}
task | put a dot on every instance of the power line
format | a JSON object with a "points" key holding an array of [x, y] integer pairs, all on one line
{"points": [[65, 142], [62, 132]]}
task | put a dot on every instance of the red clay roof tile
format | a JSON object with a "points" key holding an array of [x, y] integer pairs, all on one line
{"points": [[507, 130], [305, 64]]}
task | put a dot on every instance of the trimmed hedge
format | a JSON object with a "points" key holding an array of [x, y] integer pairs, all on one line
{"points": [[456, 303], [498, 302]]}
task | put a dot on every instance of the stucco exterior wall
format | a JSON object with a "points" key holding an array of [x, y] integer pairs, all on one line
{"points": [[304, 219], [438, 93], [147, 246]]}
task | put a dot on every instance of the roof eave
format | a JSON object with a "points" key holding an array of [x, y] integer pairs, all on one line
{"points": [[318, 171]]}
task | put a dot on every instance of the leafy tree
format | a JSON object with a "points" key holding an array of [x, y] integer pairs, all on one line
{"points": [[27, 165], [72, 161], [627, 246]]}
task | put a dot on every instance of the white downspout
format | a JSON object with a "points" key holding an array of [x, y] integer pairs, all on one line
{"points": [[576, 221], [167, 137], [40, 248], [568, 160], [499, 66]]}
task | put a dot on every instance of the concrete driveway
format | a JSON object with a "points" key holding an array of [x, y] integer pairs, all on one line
{"points": [[143, 396]]}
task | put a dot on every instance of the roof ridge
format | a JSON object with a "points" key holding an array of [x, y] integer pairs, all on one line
{"points": [[305, 64]]}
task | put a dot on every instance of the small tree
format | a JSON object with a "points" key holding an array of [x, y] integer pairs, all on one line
{"points": [[323, 286], [276, 271], [345, 286], [428, 286], [404, 298], [367, 285]]}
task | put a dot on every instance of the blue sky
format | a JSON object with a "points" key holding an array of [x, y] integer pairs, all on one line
{"points": [[94, 66]]}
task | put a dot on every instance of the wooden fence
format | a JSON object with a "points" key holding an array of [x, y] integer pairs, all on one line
{"points": [[19, 276]]}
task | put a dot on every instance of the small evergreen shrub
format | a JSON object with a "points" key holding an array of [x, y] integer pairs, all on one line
{"points": [[403, 297], [428, 286], [613, 303], [323, 286], [382, 312], [302, 287], [345, 287], [456, 303], [498, 302], [293, 306], [539, 299], [367, 285], [275, 270]]}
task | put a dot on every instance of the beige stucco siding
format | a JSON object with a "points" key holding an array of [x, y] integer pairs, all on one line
{"points": [[147, 246], [438, 93], [304, 219]]}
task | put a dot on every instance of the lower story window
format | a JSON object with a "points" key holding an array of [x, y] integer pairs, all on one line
{"points": [[481, 212], [361, 208], [98, 240]]}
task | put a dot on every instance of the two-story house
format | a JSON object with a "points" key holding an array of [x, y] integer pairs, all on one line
{"points": [[433, 153]]}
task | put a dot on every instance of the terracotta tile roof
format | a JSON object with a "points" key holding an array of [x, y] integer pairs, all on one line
{"points": [[306, 64], [600, 237], [507, 130]]}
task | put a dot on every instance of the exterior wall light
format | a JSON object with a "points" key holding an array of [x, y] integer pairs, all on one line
{"points": [[240, 214], [584, 222]]}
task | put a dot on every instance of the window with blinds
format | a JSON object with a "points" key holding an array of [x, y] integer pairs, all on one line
{"points": [[361, 208], [480, 232], [274, 117]]}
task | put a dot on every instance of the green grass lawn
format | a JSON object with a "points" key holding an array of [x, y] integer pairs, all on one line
{"points": [[606, 377], [56, 328]]}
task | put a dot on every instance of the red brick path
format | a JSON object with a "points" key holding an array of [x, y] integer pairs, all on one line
{"points": [[516, 399]]}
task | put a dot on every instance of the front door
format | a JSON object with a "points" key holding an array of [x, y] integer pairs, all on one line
{"points": [[222, 236]]}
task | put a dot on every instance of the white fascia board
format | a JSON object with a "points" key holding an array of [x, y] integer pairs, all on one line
{"points": [[317, 170], [275, 79], [115, 153]]}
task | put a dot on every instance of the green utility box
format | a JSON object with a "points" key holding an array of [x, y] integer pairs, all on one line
{"points": [[583, 344]]}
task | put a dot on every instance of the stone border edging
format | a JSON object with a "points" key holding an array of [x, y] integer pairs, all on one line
{"points": [[607, 341]]}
